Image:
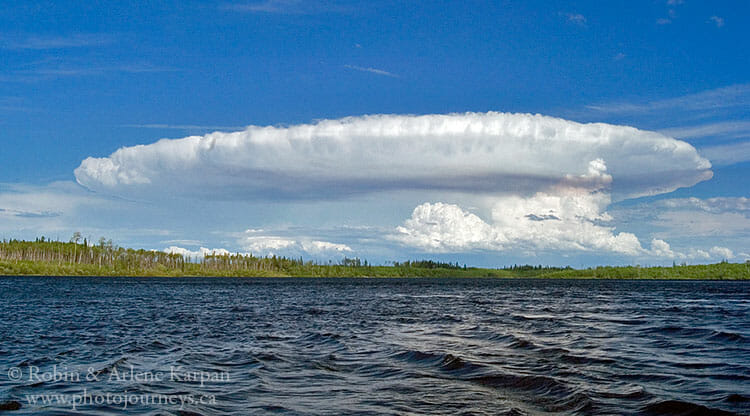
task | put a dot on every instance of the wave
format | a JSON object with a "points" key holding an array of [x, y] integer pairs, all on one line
{"points": [[697, 333], [681, 408], [552, 394]]}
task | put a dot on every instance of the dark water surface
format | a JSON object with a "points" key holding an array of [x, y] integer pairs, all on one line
{"points": [[373, 346]]}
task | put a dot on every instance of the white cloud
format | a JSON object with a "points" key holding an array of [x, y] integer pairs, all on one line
{"points": [[474, 153], [563, 218], [661, 248], [323, 247], [715, 253], [199, 254], [727, 154], [725, 129], [713, 205], [569, 218], [446, 227], [47, 208], [16, 198], [70, 71], [693, 223], [699, 254], [510, 183], [42, 73], [59, 209], [718, 21], [268, 6], [76, 40], [287, 7], [267, 244], [576, 18], [371, 70], [263, 245], [722, 252], [733, 96]]}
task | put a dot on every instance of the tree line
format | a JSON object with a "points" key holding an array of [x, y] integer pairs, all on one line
{"points": [[81, 257], [103, 258]]}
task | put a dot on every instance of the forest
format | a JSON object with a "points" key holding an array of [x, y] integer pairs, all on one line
{"points": [[79, 257]]}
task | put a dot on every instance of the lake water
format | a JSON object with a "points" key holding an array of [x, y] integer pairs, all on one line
{"points": [[225, 346]]}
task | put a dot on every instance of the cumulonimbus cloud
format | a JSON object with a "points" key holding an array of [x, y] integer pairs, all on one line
{"points": [[565, 217], [475, 153]]}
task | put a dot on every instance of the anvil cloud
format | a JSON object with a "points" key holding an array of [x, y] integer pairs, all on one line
{"points": [[473, 153], [544, 182]]}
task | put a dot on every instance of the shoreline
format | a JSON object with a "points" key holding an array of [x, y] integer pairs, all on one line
{"points": [[56, 258], [634, 279], [710, 272]]}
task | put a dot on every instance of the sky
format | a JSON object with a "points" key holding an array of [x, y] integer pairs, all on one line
{"points": [[484, 133]]}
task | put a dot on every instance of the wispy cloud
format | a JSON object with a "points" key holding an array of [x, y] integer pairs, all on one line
{"points": [[699, 229], [14, 104], [719, 98], [686, 222], [718, 21], [725, 129], [268, 6], [48, 73], [671, 12], [29, 214], [286, 7], [371, 70], [727, 154], [713, 205], [78, 40], [98, 70]]}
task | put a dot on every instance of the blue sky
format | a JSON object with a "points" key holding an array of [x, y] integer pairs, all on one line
{"points": [[81, 80]]}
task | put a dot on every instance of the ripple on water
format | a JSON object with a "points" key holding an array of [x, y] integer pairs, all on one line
{"points": [[386, 346]]}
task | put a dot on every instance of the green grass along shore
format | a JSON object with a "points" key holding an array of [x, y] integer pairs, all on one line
{"points": [[721, 271], [54, 258]]}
